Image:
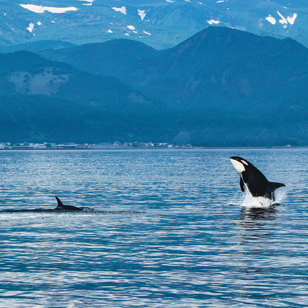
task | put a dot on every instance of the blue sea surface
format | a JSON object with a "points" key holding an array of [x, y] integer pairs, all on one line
{"points": [[170, 236]]}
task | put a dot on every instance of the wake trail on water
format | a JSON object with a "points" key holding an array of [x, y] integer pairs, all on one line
{"points": [[84, 211]]}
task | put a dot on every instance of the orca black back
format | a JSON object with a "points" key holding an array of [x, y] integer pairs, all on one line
{"points": [[63, 207]]}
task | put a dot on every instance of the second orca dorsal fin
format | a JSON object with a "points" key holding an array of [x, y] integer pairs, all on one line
{"points": [[275, 185], [60, 204]]}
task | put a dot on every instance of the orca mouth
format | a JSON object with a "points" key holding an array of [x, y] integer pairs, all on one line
{"points": [[238, 164]]}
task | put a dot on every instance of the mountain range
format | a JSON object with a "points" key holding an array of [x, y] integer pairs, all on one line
{"points": [[46, 100], [221, 87], [158, 23]]}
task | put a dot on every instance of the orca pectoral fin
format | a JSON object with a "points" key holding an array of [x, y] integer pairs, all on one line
{"points": [[275, 185], [60, 204], [242, 185]]}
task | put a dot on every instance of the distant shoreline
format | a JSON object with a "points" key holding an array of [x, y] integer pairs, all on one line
{"points": [[99, 146], [119, 148]]}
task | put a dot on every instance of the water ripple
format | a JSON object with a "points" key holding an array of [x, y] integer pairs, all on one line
{"points": [[172, 240]]}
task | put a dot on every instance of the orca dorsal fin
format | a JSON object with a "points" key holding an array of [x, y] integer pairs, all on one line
{"points": [[60, 204], [275, 185]]}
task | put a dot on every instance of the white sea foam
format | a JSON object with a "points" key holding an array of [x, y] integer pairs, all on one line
{"points": [[249, 201], [246, 200], [252, 202], [280, 196]]}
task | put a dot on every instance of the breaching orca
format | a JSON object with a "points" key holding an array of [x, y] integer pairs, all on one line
{"points": [[254, 181], [62, 207]]}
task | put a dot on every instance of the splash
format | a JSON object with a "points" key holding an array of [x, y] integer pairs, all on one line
{"points": [[261, 202], [248, 201], [256, 202], [281, 196]]}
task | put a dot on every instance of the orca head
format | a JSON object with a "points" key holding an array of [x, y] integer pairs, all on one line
{"points": [[240, 164]]}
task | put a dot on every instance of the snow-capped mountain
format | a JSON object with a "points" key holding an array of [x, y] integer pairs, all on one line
{"points": [[158, 23]]}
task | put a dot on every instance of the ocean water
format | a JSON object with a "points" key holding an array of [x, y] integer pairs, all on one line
{"points": [[171, 231]]}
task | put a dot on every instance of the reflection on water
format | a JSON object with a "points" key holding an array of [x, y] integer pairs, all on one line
{"points": [[251, 215], [266, 271], [255, 238], [186, 247]]}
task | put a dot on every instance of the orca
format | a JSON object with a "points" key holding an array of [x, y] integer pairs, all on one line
{"points": [[66, 208], [253, 181], [62, 207]]}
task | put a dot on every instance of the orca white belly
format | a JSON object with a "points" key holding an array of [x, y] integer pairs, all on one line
{"points": [[256, 202]]}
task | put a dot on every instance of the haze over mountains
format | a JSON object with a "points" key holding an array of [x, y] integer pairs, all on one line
{"points": [[158, 23], [220, 87], [43, 100], [215, 65]]}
